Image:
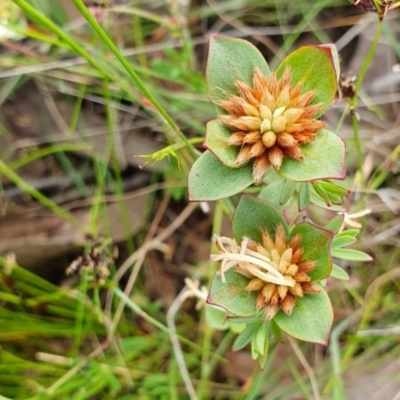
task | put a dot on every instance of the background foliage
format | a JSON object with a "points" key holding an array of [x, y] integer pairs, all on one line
{"points": [[79, 101]]}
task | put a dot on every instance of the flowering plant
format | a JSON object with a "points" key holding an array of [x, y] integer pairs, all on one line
{"points": [[267, 119], [272, 275]]}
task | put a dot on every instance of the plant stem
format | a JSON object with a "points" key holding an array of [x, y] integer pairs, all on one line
{"points": [[354, 100], [34, 193], [177, 135]]}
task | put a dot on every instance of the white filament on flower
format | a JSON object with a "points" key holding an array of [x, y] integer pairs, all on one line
{"points": [[232, 255]]}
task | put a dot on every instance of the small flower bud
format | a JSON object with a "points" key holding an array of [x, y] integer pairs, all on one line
{"points": [[256, 149], [297, 255], [243, 155], [268, 291], [248, 123], [288, 303], [282, 266], [269, 139], [265, 112], [250, 110], [267, 241], [261, 164], [286, 140], [236, 139], [265, 125], [251, 137], [255, 284], [307, 266], [302, 277], [275, 156], [275, 256], [280, 239], [278, 112], [311, 288], [271, 310], [287, 255], [292, 270], [279, 124], [292, 115], [296, 290], [282, 291], [294, 243]]}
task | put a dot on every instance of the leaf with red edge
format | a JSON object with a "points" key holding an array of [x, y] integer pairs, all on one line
{"points": [[210, 180], [232, 294], [318, 68], [324, 157], [252, 215], [310, 320], [216, 141], [230, 60], [316, 243]]}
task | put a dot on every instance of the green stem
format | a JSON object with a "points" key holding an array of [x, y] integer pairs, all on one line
{"points": [[51, 26], [34, 193], [136, 309], [177, 134], [354, 100], [203, 391], [357, 143], [40, 153]]}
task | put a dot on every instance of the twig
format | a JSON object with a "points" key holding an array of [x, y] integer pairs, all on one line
{"points": [[139, 255], [175, 306], [306, 366]]}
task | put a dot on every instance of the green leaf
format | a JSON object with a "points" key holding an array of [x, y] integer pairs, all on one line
{"points": [[210, 180], [304, 195], [236, 328], [287, 192], [339, 273], [315, 199], [334, 189], [343, 241], [247, 320], [335, 224], [262, 358], [310, 320], [230, 60], [252, 215], [261, 338], [324, 157], [349, 232], [322, 193], [217, 142], [316, 244], [215, 317], [351, 255], [232, 294], [254, 350], [318, 68], [272, 193], [275, 330], [334, 199], [245, 337]]}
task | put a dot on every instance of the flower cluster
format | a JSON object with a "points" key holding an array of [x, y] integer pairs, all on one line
{"points": [[275, 268], [270, 120]]}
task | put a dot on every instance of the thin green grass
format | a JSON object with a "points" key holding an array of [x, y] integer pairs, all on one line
{"points": [[60, 341]]}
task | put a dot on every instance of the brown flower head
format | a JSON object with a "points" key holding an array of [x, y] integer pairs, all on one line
{"points": [[369, 5], [270, 120], [379, 6], [276, 269]]}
